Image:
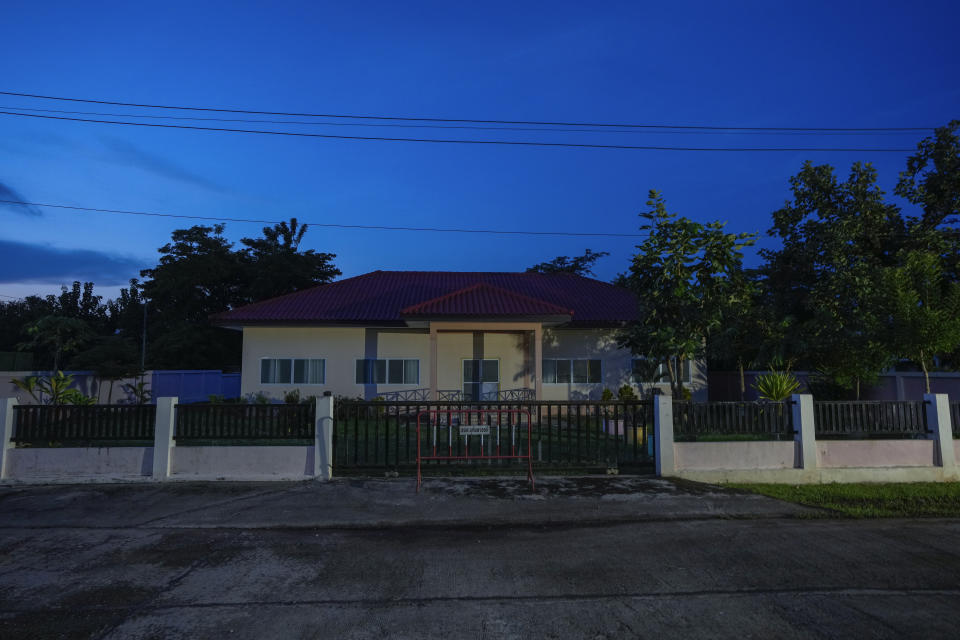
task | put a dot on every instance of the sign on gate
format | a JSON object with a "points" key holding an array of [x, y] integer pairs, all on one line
{"points": [[474, 434]]}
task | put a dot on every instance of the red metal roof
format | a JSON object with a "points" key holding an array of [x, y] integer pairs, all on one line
{"points": [[381, 297], [483, 299]]}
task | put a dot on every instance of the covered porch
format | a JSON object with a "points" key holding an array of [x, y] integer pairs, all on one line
{"points": [[477, 361]]}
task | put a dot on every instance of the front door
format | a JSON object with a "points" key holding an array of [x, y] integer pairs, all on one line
{"points": [[481, 380]]}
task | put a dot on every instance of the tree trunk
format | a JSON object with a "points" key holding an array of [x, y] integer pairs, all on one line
{"points": [[858, 388], [743, 382], [673, 378], [110, 395], [926, 374]]}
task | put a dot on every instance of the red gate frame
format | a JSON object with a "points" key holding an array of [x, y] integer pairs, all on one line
{"points": [[513, 454]]}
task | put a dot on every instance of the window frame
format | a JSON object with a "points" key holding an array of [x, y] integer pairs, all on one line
{"points": [[293, 367], [386, 371], [570, 370]]}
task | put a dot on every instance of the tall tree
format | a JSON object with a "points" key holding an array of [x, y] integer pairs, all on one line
{"points": [[276, 265], [924, 310], [685, 277], [198, 275], [578, 265], [827, 279]]}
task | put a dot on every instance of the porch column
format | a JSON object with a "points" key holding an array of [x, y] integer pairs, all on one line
{"points": [[538, 360], [434, 376]]}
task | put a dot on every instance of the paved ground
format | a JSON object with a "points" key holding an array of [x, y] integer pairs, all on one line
{"points": [[581, 558]]}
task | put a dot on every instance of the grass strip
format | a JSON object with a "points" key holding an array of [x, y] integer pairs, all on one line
{"points": [[870, 500]]}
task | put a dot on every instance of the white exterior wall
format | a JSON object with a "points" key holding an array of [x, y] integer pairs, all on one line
{"points": [[593, 344], [508, 348], [341, 347]]}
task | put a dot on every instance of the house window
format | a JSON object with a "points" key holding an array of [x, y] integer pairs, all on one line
{"points": [[388, 371], [640, 371], [293, 371], [481, 379], [576, 371]]}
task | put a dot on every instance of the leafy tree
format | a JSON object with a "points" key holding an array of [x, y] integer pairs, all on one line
{"points": [[826, 281], [932, 177], [924, 310], [198, 275], [579, 265], [275, 265], [55, 337], [684, 276], [110, 358]]}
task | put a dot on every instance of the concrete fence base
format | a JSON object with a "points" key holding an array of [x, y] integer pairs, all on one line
{"points": [[807, 460], [165, 461]]}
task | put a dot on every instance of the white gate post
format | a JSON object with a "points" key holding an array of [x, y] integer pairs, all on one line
{"points": [[663, 434], [163, 441], [939, 428], [323, 439], [6, 431], [805, 432]]}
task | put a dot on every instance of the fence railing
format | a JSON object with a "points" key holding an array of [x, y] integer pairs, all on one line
{"points": [[955, 418], [870, 419], [590, 434], [38, 424], [406, 395], [245, 422], [706, 420]]}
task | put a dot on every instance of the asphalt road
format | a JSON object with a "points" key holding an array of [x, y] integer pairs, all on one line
{"points": [[192, 562]]}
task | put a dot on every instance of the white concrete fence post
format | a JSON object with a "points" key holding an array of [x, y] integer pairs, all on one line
{"points": [[323, 443], [805, 430], [663, 434], [939, 429], [163, 441], [6, 431]]}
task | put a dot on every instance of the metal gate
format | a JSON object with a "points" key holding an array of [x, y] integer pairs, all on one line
{"points": [[376, 436]]}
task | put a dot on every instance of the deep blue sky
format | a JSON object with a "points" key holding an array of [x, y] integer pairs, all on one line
{"points": [[814, 64]]}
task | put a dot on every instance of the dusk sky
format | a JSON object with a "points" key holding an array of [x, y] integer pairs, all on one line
{"points": [[743, 64]]}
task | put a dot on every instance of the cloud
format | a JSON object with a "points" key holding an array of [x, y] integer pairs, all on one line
{"points": [[134, 156], [26, 262], [7, 193]]}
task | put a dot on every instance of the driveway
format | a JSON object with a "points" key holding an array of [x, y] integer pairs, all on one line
{"points": [[605, 557]]}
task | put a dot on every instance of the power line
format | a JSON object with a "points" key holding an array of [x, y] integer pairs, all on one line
{"points": [[523, 143], [470, 127], [334, 226], [475, 121]]}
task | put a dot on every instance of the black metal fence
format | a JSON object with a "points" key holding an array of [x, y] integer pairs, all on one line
{"points": [[955, 418], [870, 419], [564, 434], [240, 423], [39, 425], [732, 421]]}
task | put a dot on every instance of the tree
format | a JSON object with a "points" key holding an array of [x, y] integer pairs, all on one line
{"points": [[579, 265], [275, 265], [826, 281], [685, 277], [932, 177], [749, 333], [924, 310], [55, 337], [110, 358], [198, 275]]}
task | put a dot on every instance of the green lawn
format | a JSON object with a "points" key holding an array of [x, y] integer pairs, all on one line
{"points": [[867, 500]]}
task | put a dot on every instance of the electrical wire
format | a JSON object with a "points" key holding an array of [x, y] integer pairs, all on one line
{"points": [[527, 143], [475, 121], [332, 225]]}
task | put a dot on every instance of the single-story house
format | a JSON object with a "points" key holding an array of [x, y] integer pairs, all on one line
{"points": [[436, 335]]}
